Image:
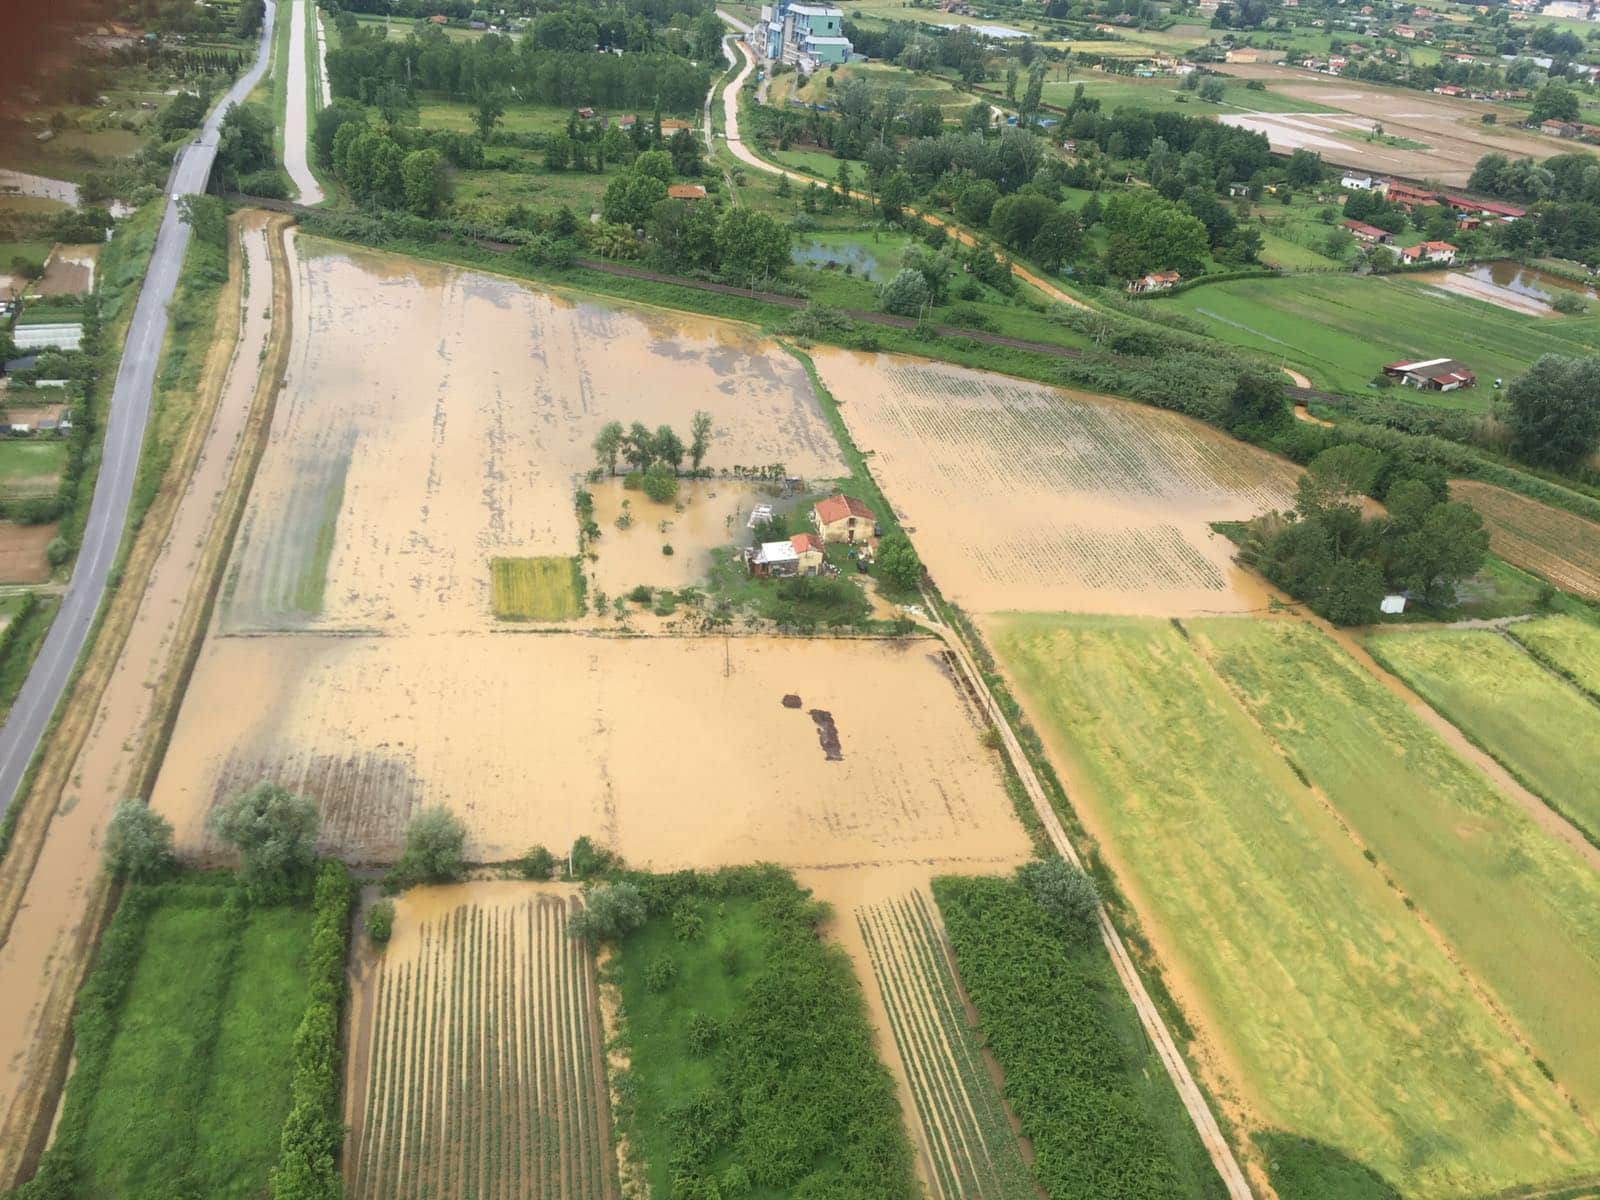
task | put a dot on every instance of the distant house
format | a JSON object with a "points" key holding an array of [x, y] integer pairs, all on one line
{"points": [[586, 113], [1436, 252], [1449, 89], [1486, 208], [1156, 281], [1560, 129], [1431, 374], [774, 560], [1407, 196], [1405, 31], [438, 19], [808, 549], [627, 121], [671, 125], [1359, 183], [1369, 233], [686, 191], [842, 518]]}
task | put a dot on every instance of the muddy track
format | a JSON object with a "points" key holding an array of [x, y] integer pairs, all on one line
{"points": [[49, 940], [1161, 1039]]}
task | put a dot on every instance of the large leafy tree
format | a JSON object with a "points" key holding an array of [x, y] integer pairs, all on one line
{"points": [[275, 833], [1555, 410]]}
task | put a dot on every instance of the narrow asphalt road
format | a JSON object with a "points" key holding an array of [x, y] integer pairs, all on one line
{"points": [[298, 88], [130, 410]]}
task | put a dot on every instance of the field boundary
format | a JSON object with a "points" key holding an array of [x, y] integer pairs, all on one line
{"points": [[36, 1100]]}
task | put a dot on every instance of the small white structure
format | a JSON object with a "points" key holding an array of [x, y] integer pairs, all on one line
{"points": [[1359, 183], [760, 515], [45, 337], [775, 559], [1393, 604]]}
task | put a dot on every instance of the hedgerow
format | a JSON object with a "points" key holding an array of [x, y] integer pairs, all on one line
{"points": [[1069, 1077], [308, 1167]]}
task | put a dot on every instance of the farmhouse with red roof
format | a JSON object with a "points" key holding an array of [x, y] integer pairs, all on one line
{"points": [[842, 518]]}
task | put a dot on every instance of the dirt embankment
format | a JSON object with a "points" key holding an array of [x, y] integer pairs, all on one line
{"points": [[112, 728]]}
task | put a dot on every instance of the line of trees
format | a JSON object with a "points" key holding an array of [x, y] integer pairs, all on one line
{"points": [[642, 449]]}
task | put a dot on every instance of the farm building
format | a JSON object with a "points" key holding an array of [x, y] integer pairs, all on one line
{"points": [[1431, 374], [58, 335], [1369, 233], [1437, 252], [808, 549], [1156, 281], [1407, 196], [686, 191], [1359, 183], [773, 560], [842, 518], [1560, 129]]}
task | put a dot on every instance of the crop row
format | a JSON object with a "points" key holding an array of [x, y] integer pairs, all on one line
{"points": [[968, 1137], [1157, 556], [484, 1077]]}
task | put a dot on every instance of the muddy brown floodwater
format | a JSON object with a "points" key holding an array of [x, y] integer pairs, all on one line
{"points": [[1027, 497], [37, 970]]}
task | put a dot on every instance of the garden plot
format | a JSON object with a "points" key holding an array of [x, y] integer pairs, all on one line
{"points": [[475, 1066], [436, 419], [1025, 496], [676, 752], [1550, 542], [706, 516]]}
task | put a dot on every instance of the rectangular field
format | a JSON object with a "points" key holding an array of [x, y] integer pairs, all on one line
{"points": [[1322, 1005], [537, 589], [399, 466], [532, 738], [1566, 645], [1030, 497], [1520, 909], [1341, 329], [1539, 727], [476, 1067], [1550, 542]]}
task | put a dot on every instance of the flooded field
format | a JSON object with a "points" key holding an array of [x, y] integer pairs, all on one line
{"points": [[707, 515], [676, 752], [475, 1064], [1029, 497], [1510, 285], [401, 464], [69, 271], [1451, 131]]}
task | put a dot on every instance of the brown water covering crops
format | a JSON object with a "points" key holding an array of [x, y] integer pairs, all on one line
{"points": [[475, 1067], [1029, 497], [436, 419], [676, 751], [1550, 542], [707, 515]]}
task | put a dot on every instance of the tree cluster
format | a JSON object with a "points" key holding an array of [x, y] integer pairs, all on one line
{"points": [[382, 173], [641, 449], [1555, 411]]}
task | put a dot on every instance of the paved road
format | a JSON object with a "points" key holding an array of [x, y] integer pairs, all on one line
{"points": [[294, 117], [130, 409]]}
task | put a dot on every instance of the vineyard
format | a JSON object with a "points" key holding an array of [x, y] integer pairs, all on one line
{"points": [[481, 1073], [1310, 981], [536, 589], [964, 1125], [1029, 497], [1569, 647], [1540, 728], [1552, 543]]}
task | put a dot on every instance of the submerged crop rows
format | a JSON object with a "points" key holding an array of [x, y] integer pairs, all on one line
{"points": [[484, 1076], [970, 1143]]}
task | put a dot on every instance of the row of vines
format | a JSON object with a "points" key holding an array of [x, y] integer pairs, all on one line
{"points": [[970, 1143], [484, 1077]]}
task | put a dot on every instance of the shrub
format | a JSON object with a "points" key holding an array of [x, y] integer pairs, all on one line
{"points": [[1066, 893], [633, 480], [608, 912], [661, 483], [898, 562], [687, 923], [138, 843], [641, 594], [57, 551], [380, 921], [666, 549], [906, 295], [704, 1033], [537, 863], [588, 860], [660, 974], [435, 850], [275, 833]]}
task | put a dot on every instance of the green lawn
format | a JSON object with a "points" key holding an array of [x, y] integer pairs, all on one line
{"points": [[439, 112], [1163, 94], [1286, 255], [1341, 329], [1540, 728], [536, 589], [30, 465], [751, 1060], [193, 1092], [1337, 1016], [1567, 645], [1520, 909]]}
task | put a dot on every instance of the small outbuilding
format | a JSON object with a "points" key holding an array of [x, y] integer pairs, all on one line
{"points": [[808, 552], [1435, 252], [842, 518], [774, 560], [1156, 281], [1369, 233], [1393, 604], [686, 191], [1431, 374]]}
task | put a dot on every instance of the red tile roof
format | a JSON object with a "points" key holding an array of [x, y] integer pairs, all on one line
{"points": [[804, 542], [837, 508], [686, 191]]}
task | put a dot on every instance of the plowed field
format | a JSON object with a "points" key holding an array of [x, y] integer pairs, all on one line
{"points": [[1552, 543], [1024, 496]]}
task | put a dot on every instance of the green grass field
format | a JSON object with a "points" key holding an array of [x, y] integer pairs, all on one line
{"points": [[1340, 1018], [1567, 645], [1162, 94], [1540, 728], [1341, 329], [536, 589], [1520, 909], [195, 1087], [30, 466]]}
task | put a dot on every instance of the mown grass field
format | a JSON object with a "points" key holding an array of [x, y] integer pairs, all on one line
{"points": [[1163, 94], [29, 466], [1521, 910], [823, 87], [194, 1090], [537, 589], [1340, 330], [1540, 728], [1566, 645], [1333, 1013]]}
